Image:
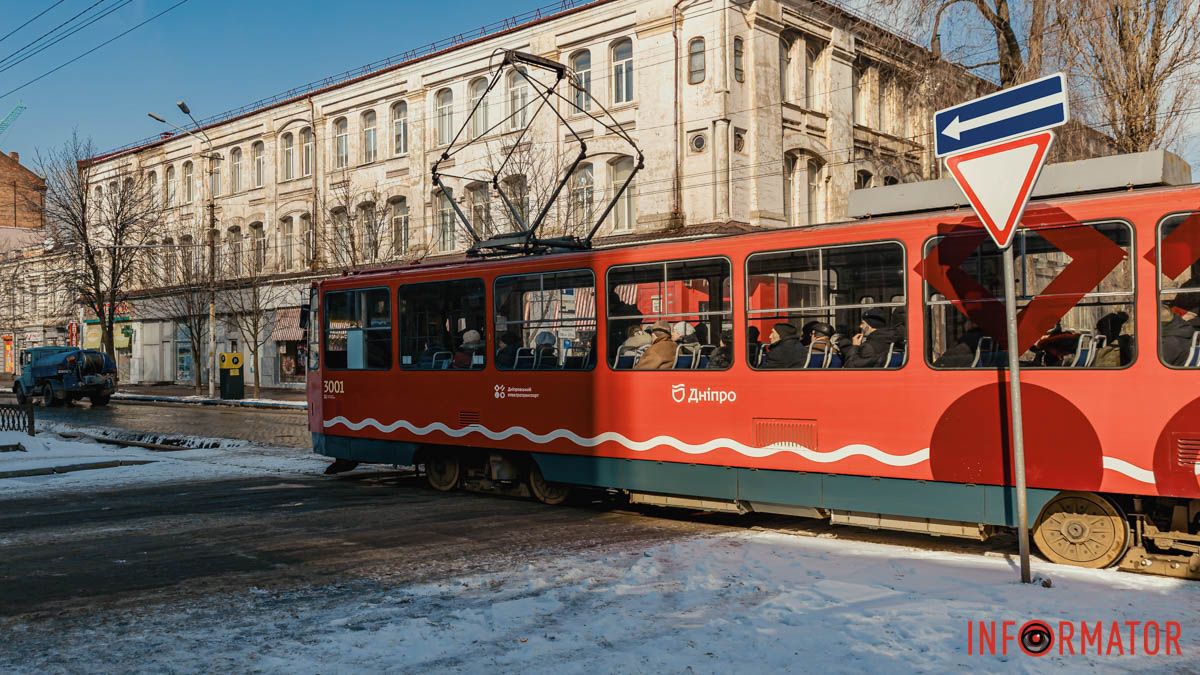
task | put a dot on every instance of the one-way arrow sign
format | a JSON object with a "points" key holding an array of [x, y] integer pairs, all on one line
{"points": [[1033, 106]]}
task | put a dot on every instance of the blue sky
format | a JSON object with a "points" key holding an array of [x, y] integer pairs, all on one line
{"points": [[218, 54]]}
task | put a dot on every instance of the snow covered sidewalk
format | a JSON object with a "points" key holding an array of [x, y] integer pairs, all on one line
{"points": [[745, 602], [204, 400]]}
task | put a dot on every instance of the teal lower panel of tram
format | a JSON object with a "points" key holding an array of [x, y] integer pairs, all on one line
{"points": [[987, 504]]}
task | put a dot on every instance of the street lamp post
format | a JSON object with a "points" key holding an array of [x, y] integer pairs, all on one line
{"points": [[212, 158]]}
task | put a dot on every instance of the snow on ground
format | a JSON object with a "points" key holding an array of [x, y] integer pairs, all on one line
{"points": [[228, 459], [745, 602]]}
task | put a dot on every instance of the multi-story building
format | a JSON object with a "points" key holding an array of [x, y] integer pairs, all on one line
{"points": [[750, 113]]}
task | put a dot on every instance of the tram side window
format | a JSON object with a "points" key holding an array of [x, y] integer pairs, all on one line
{"points": [[684, 305], [358, 330], [829, 307], [441, 325], [546, 321], [1179, 290], [1074, 286]]}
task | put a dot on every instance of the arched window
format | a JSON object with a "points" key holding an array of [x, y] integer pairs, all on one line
{"points": [[622, 59], [444, 100], [445, 223], [341, 143], [517, 188], [233, 246], [287, 243], [258, 240], [739, 59], [479, 120], [582, 195], [696, 61], [816, 190], [288, 144], [480, 209], [624, 213], [152, 183], [172, 186], [803, 189], [882, 94], [786, 46], [581, 65], [152, 274], [258, 155], [862, 179], [518, 99], [235, 170], [400, 128], [306, 151], [812, 95], [400, 235], [369, 148], [857, 95], [891, 180], [343, 244], [214, 177], [368, 221], [187, 257], [169, 260], [310, 239], [189, 186]]}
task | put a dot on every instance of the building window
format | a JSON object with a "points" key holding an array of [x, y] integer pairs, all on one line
{"points": [[341, 143], [862, 179], [287, 243], [358, 329], [582, 195], [891, 180], [310, 239], [816, 190], [442, 325], [812, 95], [622, 58], [445, 223], [369, 222], [518, 99], [258, 155], [400, 225], [624, 213], [786, 44], [258, 240], [444, 101], [306, 151], [235, 170], [546, 321], [233, 244], [739, 59], [1078, 328], [480, 207], [1178, 294], [172, 186], [517, 189], [881, 101], [696, 61], [214, 178], [400, 128], [152, 184], [825, 292], [189, 185], [803, 177], [479, 116], [691, 295], [581, 66], [343, 238], [189, 261], [369, 153], [858, 96], [289, 156]]}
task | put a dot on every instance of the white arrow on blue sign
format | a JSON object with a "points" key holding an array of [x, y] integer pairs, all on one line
{"points": [[1017, 111]]}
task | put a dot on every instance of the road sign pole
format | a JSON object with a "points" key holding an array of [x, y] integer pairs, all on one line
{"points": [[1017, 432]]}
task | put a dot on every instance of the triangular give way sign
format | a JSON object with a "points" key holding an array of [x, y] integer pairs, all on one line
{"points": [[998, 179]]}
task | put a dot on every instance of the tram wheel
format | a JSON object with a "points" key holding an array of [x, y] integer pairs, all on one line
{"points": [[545, 492], [442, 471], [1081, 529]]}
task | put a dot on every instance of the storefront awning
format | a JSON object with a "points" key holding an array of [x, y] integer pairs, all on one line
{"points": [[287, 325]]}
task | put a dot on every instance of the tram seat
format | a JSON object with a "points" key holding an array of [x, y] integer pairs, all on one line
{"points": [[835, 361], [442, 360], [702, 362], [1085, 350], [574, 363], [895, 355], [524, 360], [984, 353], [685, 359], [546, 359], [755, 352], [1193, 359], [703, 356]]}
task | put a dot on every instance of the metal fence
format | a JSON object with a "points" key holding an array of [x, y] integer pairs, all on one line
{"points": [[16, 417]]}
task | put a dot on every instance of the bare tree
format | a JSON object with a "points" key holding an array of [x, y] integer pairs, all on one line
{"points": [[352, 224], [105, 226], [1137, 63], [179, 289], [251, 296]]}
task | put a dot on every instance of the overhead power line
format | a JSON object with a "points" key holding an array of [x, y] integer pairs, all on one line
{"points": [[35, 18]]}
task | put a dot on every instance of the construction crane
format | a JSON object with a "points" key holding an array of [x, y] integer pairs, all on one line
{"points": [[11, 117]]}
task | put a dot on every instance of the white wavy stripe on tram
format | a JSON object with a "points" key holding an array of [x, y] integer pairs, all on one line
{"points": [[642, 446], [1132, 470]]}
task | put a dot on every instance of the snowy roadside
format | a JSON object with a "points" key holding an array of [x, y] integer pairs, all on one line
{"points": [[214, 458], [739, 602]]}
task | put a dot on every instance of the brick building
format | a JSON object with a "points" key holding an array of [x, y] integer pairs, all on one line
{"points": [[20, 193]]}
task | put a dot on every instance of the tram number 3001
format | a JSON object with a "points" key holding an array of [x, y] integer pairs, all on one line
{"points": [[334, 387]]}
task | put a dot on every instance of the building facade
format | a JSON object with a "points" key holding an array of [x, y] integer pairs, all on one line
{"points": [[751, 113]]}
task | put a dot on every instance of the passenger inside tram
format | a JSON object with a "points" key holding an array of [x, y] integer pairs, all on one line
{"points": [[784, 350], [870, 347], [722, 356], [1178, 333], [545, 351], [506, 356], [470, 352], [660, 355]]}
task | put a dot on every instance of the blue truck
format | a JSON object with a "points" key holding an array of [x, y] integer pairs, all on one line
{"points": [[60, 375]]}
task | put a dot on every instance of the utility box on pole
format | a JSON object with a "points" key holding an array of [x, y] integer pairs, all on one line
{"points": [[233, 378]]}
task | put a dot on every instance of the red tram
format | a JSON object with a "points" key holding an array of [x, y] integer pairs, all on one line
{"points": [[512, 373]]}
